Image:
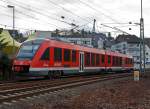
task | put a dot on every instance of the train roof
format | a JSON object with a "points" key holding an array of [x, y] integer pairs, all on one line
{"points": [[57, 43]]}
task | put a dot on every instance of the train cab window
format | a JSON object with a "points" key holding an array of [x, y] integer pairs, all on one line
{"points": [[57, 54], [109, 59], [93, 59], [97, 59], [67, 55], [103, 59], [73, 56], [46, 54], [87, 59]]}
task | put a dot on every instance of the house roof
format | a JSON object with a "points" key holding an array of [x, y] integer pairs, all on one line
{"points": [[147, 41], [127, 38], [131, 39]]}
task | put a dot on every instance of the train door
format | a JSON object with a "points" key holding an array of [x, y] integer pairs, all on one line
{"points": [[81, 62]]}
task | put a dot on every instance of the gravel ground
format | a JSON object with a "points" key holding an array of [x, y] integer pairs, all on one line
{"points": [[114, 94]]}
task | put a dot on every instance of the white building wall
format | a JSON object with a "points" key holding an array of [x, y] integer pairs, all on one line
{"points": [[134, 50], [80, 41]]}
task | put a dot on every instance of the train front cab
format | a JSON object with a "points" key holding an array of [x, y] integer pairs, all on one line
{"points": [[24, 57]]}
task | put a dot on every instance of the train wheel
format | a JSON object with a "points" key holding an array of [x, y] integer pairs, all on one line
{"points": [[50, 74], [57, 74]]}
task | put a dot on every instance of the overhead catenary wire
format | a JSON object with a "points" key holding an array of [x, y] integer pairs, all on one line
{"points": [[37, 19], [107, 16], [41, 13], [22, 13], [67, 10]]}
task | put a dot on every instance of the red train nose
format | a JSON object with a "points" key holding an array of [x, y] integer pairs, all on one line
{"points": [[21, 65]]}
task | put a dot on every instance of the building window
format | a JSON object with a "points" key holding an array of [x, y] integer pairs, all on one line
{"points": [[45, 55], [66, 55], [73, 41], [124, 52], [57, 54], [84, 42]]}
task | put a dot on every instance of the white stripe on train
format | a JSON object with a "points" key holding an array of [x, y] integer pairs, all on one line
{"points": [[76, 68]]}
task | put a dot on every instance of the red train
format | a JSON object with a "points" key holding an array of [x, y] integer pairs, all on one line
{"points": [[47, 57]]}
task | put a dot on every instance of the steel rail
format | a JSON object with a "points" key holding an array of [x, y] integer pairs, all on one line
{"points": [[68, 85]]}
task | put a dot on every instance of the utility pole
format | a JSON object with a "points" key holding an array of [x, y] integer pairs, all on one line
{"points": [[13, 7], [142, 40]]}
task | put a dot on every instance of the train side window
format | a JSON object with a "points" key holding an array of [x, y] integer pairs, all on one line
{"points": [[66, 55], [73, 56], [127, 61], [103, 59], [57, 54], [130, 61], [93, 59], [116, 61], [120, 60], [87, 59], [97, 59], [46, 54], [109, 59], [113, 60]]}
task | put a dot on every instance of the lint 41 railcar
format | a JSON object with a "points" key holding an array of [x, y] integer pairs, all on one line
{"points": [[46, 57]]}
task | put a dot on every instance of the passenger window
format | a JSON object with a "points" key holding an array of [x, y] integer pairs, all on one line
{"points": [[66, 55], [103, 59], [87, 59], [73, 56], [93, 59], [120, 60], [113, 60], [57, 54], [46, 54], [109, 59], [97, 59]]}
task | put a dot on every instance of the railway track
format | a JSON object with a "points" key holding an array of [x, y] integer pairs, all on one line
{"points": [[8, 94]]}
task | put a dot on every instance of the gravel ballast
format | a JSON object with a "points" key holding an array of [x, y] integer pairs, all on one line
{"points": [[113, 94]]}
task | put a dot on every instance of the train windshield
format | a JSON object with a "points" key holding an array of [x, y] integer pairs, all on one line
{"points": [[28, 50]]}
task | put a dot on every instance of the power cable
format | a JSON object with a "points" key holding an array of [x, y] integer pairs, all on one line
{"points": [[67, 10], [107, 16], [40, 13], [37, 19], [22, 13]]}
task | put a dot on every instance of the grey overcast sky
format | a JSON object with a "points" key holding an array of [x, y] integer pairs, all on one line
{"points": [[46, 14]]}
